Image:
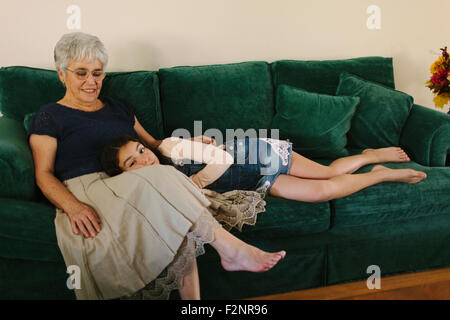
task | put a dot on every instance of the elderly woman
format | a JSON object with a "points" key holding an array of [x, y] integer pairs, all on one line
{"points": [[140, 229]]}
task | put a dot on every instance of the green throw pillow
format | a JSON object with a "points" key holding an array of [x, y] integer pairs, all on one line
{"points": [[316, 124], [381, 114], [27, 120]]}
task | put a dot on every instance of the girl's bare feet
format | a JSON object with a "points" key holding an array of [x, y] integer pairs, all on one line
{"points": [[390, 154], [236, 255], [401, 175], [249, 258]]}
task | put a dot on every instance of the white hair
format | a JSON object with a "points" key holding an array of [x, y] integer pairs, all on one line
{"points": [[79, 46]]}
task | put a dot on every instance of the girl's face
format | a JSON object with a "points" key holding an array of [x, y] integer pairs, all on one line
{"points": [[134, 155]]}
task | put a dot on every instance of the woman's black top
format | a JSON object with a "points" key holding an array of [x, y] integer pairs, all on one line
{"points": [[81, 134]]}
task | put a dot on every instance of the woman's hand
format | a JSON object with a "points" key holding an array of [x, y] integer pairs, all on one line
{"points": [[195, 181], [207, 140], [204, 139], [84, 218]]}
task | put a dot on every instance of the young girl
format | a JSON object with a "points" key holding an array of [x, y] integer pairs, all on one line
{"points": [[264, 165]]}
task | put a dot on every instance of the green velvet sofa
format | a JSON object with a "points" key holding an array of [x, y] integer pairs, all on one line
{"points": [[399, 227]]}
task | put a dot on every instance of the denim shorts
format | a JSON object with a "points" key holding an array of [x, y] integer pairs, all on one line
{"points": [[257, 164]]}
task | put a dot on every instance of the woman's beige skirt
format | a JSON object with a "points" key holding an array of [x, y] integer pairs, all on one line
{"points": [[147, 217]]}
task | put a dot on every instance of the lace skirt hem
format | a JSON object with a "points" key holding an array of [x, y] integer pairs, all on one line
{"points": [[172, 276]]}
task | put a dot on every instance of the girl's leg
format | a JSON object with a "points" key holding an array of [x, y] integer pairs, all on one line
{"points": [[237, 255], [305, 168], [234, 253], [191, 285], [308, 190]]}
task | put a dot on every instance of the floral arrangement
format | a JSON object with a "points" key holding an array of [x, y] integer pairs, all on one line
{"points": [[440, 79]]}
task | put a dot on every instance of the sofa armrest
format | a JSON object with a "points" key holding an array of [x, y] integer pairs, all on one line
{"points": [[16, 161], [426, 136]]}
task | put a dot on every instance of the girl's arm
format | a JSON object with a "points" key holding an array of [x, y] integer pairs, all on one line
{"points": [[217, 159]]}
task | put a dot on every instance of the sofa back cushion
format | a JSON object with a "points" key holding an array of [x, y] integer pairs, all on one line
{"points": [[227, 96], [323, 76], [139, 89], [24, 90]]}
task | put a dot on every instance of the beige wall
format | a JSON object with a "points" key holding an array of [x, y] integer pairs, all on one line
{"points": [[150, 34]]}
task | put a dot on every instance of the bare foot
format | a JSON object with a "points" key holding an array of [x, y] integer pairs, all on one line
{"points": [[250, 258], [237, 255], [401, 175], [390, 154]]}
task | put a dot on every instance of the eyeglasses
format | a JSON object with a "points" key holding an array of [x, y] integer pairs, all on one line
{"points": [[83, 74]]}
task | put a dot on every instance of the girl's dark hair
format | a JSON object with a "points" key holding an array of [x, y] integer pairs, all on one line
{"points": [[108, 155]]}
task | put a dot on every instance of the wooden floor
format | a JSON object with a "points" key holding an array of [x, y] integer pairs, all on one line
{"points": [[429, 285]]}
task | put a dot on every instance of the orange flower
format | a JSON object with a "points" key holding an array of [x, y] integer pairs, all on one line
{"points": [[439, 83]]}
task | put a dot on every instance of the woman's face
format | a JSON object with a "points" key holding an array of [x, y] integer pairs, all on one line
{"points": [[82, 81], [134, 155]]}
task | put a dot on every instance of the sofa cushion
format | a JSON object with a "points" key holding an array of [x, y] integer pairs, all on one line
{"points": [[24, 90], [404, 245], [299, 228], [316, 124], [323, 76], [27, 231], [24, 279], [227, 96], [16, 162], [381, 113], [302, 268], [394, 201], [139, 89], [288, 218]]}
